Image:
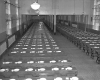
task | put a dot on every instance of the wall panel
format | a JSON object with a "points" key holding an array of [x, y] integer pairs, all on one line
{"points": [[11, 40], [2, 17], [3, 47], [2, 21], [79, 7]]}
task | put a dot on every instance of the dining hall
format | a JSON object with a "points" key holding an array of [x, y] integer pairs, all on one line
{"points": [[49, 39]]}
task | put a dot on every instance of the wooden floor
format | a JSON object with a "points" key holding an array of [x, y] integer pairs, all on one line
{"points": [[86, 66], [30, 59]]}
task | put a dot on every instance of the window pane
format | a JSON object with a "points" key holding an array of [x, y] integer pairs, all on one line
{"points": [[96, 15], [8, 19]]}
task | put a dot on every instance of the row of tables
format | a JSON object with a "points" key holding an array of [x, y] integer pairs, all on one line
{"points": [[88, 42], [36, 56]]}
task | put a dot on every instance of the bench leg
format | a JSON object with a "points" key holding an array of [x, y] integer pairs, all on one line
{"points": [[87, 52], [92, 55], [98, 60]]}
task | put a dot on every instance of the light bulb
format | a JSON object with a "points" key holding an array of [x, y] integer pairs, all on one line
{"points": [[35, 6]]}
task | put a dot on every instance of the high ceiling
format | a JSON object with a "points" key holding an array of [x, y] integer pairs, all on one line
{"points": [[57, 6]]}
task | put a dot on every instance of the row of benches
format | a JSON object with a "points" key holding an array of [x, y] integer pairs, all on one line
{"points": [[88, 42], [37, 56]]}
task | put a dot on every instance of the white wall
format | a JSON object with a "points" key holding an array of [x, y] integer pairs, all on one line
{"points": [[2, 17], [62, 6]]}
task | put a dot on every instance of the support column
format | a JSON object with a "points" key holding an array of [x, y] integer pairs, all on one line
{"points": [[55, 24], [52, 22], [54, 12]]}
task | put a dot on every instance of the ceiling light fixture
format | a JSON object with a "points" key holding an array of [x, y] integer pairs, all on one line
{"points": [[35, 5]]}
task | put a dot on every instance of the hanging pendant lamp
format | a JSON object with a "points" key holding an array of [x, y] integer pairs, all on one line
{"points": [[35, 5]]}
